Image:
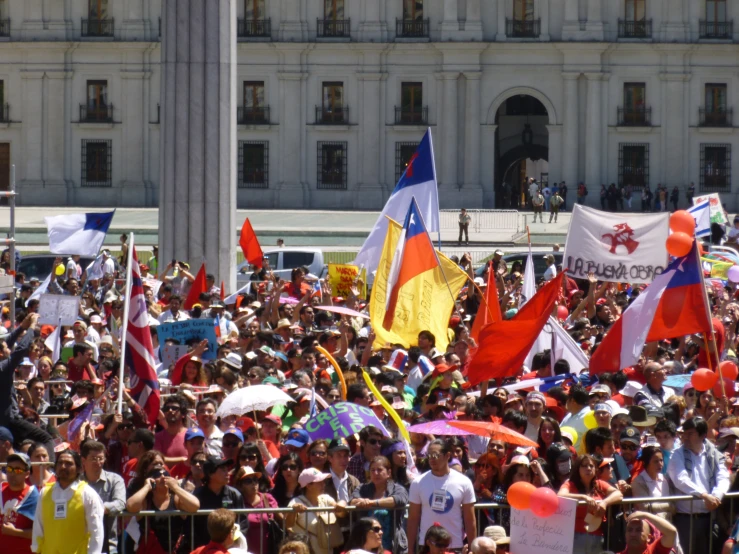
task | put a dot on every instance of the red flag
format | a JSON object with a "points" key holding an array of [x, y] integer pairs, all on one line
{"points": [[223, 291], [250, 245], [199, 286], [504, 344], [490, 313]]}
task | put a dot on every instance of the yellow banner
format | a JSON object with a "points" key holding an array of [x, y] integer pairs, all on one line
{"points": [[344, 277], [425, 303], [720, 270]]}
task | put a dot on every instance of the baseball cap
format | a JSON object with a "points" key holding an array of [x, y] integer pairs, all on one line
{"points": [[274, 419], [270, 380], [79, 323], [96, 319], [267, 350], [212, 463], [20, 457], [523, 460], [338, 444], [631, 434], [235, 432], [194, 432], [244, 472], [298, 438], [311, 475], [601, 389]]}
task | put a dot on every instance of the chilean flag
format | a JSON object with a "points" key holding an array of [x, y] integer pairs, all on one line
{"points": [[672, 306], [414, 255], [139, 349], [419, 180]]}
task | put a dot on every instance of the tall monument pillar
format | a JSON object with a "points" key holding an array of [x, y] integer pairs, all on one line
{"points": [[197, 191]]}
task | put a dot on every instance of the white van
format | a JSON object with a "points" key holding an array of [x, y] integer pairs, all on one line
{"points": [[283, 260]]}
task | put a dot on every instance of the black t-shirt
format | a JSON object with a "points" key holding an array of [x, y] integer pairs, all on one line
{"points": [[229, 498]]}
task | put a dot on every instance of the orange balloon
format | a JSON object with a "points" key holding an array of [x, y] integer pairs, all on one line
{"points": [[718, 392], [682, 222], [703, 379], [729, 370], [519, 495], [679, 244]]}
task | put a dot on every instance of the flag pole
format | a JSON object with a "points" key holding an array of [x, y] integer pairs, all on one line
{"points": [[124, 327]]}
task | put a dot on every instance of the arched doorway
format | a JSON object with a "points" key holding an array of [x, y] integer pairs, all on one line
{"points": [[521, 148]]}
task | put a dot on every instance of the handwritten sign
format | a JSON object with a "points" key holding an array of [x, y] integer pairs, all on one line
{"points": [[171, 353], [342, 419], [342, 277], [53, 307], [536, 535], [183, 331], [715, 208]]}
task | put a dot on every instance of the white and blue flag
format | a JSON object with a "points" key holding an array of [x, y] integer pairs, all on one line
{"points": [[702, 215], [419, 180], [81, 234]]}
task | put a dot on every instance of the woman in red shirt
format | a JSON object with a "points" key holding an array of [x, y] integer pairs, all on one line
{"points": [[584, 486]]}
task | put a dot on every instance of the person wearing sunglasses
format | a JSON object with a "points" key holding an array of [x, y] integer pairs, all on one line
{"points": [[258, 536], [194, 444], [170, 441], [370, 439], [18, 521], [366, 536], [251, 456], [287, 487], [196, 475]]}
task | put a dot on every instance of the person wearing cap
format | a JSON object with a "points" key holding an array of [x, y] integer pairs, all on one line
{"points": [[342, 484], [626, 463], [215, 493], [442, 496], [108, 486], [602, 412], [170, 441], [17, 505], [298, 410], [194, 444], [697, 469], [258, 535], [96, 330], [551, 271], [297, 441], [322, 527], [69, 513], [534, 408], [498, 534], [233, 438], [654, 393], [599, 393]]}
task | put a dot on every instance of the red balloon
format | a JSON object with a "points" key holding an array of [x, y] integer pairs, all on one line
{"points": [[519, 495], [562, 313], [729, 370], [679, 244], [703, 379], [544, 502], [682, 222], [728, 387]]}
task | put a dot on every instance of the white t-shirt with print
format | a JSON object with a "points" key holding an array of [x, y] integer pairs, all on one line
{"points": [[458, 490]]}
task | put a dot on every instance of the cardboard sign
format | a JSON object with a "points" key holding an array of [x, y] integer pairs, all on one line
{"points": [[7, 283], [55, 307], [342, 277], [183, 331], [715, 207], [171, 353], [536, 535]]}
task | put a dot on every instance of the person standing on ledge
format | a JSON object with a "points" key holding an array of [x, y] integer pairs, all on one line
{"points": [[464, 227]]}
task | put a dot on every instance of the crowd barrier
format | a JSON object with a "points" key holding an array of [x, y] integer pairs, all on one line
{"points": [[486, 514], [483, 220]]}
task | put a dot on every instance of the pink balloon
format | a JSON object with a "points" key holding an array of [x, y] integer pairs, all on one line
{"points": [[562, 313], [544, 502]]}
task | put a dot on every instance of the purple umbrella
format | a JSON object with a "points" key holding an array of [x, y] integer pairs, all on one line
{"points": [[438, 427]]}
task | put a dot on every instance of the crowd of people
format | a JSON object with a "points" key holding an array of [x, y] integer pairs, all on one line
{"points": [[80, 476]]}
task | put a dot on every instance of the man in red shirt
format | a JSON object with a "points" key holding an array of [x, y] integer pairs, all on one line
{"points": [[80, 365], [139, 444], [171, 441], [649, 534], [222, 530], [194, 443], [18, 503]]}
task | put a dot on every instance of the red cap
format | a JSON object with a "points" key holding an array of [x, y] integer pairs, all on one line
{"points": [[443, 368], [244, 423], [46, 330], [600, 301], [274, 419]]}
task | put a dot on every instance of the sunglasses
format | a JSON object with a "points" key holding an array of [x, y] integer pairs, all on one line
{"points": [[291, 467], [377, 529], [171, 409], [197, 462], [691, 393], [247, 456], [15, 470], [252, 376], [249, 481], [231, 444], [125, 427], [373, 442], [629, 446]]}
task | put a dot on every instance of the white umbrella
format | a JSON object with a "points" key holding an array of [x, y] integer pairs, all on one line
{"points": [[250, 399]]}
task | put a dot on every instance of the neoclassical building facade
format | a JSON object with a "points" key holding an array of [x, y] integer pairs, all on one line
{"points": [[333, 96]]}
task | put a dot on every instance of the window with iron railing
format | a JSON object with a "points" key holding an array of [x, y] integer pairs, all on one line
{"points": [[97, 165], [253, 164], [255, 22], [413, 24], [97, 109], [403, 153], [635, 23], [634, 112], [334, 22], [332, 165], [715, 112], [98, 22], [716, 24], [332, 109], [253, 109], [523, 24], [633, 165], [411, 110], [715, 168]]}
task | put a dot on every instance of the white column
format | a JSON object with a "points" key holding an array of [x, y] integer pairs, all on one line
{"points": [[594, 25], [672, 128], [370, 192], [472, 130], [198, 148], [571, 23], [291, 123], [473, 20], [292, 25], [544, 16], [373, 26], [55, 122], [55, 20], [449, 129], [135, 116], [133, 22], [450, 24], [502, 14], [674, 25], [33, 86], [571, 130], [593, 131]]}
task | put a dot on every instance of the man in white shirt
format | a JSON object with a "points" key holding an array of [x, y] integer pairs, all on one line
{"points": [[342, 483], [443, 496], [547, 193], [108, 263], [173, 313], [533, 187], [697, 469], [75, 508], [654, 394], [551, 271], [205, 413]]}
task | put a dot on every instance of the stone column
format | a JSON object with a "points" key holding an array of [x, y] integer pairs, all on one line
{"points": [[571, 130], [33, 142], [136, 117], [55, 123], [502, 14], [55, 21], [675, 164], [594, 26], [571, 24], [373, 26], [450, 24], [674, 26], [472, 131], [134, 25], [197, 198], [473, 21], [370, 192], [449, 129], [293, 26], [544, 16], [291, 123], [593, 161]]}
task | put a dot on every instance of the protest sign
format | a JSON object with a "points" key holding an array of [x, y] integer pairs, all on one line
{"points": [[616, 247], [54, 308], [171, 353], [153, 284], [183, 331], [342, 419], [7, 283], [536, 535], [715, 206], [342, 277]]}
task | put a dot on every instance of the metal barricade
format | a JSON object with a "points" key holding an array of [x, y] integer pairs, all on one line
{"points": [[486, 514], [483, 220]]}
